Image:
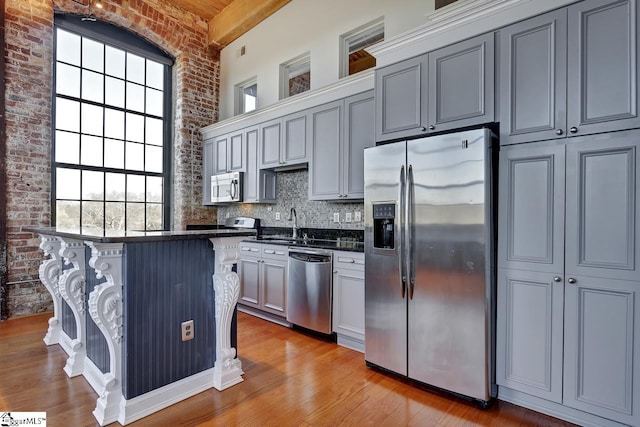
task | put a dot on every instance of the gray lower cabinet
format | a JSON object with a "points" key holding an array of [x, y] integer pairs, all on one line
{"points": [[262, 270], [568, 326], [259, 184], [348, 299], [570, 72], [339, 133], [283, 141], [445, 89]]}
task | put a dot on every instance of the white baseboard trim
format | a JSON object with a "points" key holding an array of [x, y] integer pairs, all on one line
{"points": [[349, 342], [554, 409], [146, 404]]}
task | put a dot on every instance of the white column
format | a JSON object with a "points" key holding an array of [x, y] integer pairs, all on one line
{"points": [[227, 370], [49, 273], [72, 285], [105, 308]]}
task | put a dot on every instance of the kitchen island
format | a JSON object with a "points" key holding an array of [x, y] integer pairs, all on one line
{"points": [[138, 289]]}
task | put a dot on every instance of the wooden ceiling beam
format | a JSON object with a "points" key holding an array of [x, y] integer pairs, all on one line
{"points": [[238, 18]]}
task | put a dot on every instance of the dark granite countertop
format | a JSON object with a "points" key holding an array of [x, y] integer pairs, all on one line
{"points": [[130, 236], [335, 245]]}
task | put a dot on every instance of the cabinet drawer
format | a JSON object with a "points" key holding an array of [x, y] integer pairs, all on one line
{"points": [[274, 251], [250, 249], [348, 260]]}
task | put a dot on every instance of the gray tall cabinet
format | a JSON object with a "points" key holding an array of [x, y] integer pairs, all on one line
{"points": [[568, 326]]}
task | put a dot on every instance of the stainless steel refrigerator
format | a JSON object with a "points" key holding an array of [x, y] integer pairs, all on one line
{"points": [[429, 261]]}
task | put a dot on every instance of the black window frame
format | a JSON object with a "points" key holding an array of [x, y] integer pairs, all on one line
{"points": [[108, 34]]}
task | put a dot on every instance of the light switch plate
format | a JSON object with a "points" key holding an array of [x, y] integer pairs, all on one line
{"points": [[347, 217], [357, 216], [336, 217], [277, 216]]}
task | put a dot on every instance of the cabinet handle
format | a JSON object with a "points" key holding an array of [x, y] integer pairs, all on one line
{"points": [[335, 271], [557, 279], [559, 132], [269, 251], [572, 280], [423, 129], [573, 129], [432, 127]]}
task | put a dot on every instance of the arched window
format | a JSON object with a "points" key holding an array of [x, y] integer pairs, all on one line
{"points": [[111, 128]]}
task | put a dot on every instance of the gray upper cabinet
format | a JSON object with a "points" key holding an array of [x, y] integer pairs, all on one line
{"points": [[445, 89], [358, 134], [570, 72], [339, 133], [603, 66], [229, 153], [294, 144], [259, 184], [533, 95], [401, 99], [461, 84], [284, 141], [270, 135], [583, 192], [326, 141]]}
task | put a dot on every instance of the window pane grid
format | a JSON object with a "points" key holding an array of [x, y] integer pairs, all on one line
{"points": [[104, 157]]}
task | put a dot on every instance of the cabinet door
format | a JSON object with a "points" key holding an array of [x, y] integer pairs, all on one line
{"points": [[235, 153], [602, 347], [358, 135], [533, 64], [220, 153], [249, 274], [270, 144], [401, 99], [603, 66], [529, 332], [294, 148], [461, 84], [274, 278], [531, 207], [348, 303], [251, 175], [208, 158], [326, 141], [602, 206]]}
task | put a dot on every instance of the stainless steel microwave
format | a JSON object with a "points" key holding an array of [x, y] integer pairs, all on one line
{"points": [[226, 187]]}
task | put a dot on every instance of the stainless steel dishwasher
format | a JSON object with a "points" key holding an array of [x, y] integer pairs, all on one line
{"points": [[309, 289]]}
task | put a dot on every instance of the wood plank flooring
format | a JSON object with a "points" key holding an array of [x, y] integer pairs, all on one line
{"points": [[290, 380]]}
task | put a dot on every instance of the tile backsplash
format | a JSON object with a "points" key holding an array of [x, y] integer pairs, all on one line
{"points": [[293, 192]]}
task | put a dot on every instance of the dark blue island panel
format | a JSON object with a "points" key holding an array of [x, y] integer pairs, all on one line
{"points": [[97, 349], [167, 283]]}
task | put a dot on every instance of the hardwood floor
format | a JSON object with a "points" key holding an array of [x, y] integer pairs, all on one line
{"points": [[290, 380]]}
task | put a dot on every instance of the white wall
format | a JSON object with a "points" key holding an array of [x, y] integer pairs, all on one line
{"points": [[307, 26]]}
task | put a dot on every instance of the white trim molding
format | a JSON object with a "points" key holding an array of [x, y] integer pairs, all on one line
{"points": [[457, 22]]}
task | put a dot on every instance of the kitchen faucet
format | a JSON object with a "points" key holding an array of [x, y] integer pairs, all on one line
{"points": [[293, 216]]}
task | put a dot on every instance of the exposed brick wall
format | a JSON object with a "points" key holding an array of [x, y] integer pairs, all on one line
{"points": [[29, 57]]}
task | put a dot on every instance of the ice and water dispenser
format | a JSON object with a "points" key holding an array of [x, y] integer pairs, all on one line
{"points": [[384, 215]]}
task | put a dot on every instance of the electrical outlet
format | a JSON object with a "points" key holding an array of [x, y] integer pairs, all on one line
{"points": [[187, 330], [336, 217], [226, 215], [347, 217], [269, 208], [357, 216], [277, 216]]}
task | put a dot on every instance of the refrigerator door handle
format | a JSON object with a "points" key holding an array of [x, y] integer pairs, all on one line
{"points": [[410, 232], [401, 260]]}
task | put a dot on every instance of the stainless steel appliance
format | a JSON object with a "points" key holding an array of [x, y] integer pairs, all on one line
{"points": [[429, 264], [309, 289], [226, 187]]}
